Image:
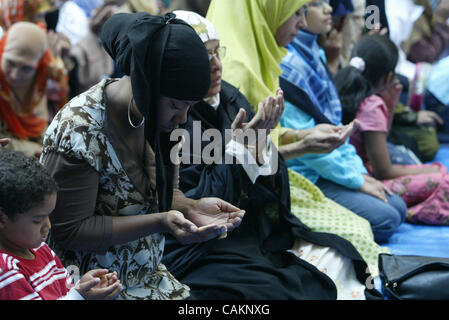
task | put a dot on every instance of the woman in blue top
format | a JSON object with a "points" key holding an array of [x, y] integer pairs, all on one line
{"points": [[312, 100]]}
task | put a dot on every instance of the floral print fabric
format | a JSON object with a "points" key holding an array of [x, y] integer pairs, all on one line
{"points": [[426, 195]]}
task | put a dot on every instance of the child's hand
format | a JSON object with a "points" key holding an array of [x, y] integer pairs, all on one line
{"points": [[325, 138], [99, 284]]}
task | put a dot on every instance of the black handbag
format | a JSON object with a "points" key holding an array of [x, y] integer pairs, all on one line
{"points": [[414, 277]]}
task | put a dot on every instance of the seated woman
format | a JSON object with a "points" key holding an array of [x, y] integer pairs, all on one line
{"points": [[35, 11], [108, 150], [256, 39], [421, 34], [312, 99], [26, 66], [254, 261], [255, 70], [370, 91]]}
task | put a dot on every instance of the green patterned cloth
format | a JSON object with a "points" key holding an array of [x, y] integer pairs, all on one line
{"points": [[321, 214]]}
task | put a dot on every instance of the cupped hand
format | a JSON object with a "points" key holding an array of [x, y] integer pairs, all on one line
{"points": [[187, 232], [99, 284], [325, 138], [268, 114], [208, 211]]}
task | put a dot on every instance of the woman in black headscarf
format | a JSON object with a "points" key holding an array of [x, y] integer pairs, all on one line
{"points": [[108, 150]]}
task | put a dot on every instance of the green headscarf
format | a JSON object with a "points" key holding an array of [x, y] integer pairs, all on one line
{"points": [[248, 28]]}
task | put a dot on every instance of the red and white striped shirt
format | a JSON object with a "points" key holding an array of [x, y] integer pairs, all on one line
{"points": [[43, 278]]}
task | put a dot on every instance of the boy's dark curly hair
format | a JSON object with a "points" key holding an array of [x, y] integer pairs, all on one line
{"points": [[23, 183]]}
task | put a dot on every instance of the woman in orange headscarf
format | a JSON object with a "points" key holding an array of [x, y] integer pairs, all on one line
{"points": [[26, 64], [34, 11]]}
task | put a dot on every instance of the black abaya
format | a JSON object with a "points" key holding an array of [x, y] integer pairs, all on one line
{"points": [[252, 262]]}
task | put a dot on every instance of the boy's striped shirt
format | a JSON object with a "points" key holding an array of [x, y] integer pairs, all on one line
{"points": [[43, 278]]}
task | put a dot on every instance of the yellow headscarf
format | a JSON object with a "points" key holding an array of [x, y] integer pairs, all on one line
{"points": [[248, 28]]}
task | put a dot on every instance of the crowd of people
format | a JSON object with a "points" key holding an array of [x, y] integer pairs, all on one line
{"points": [[341, 103]]}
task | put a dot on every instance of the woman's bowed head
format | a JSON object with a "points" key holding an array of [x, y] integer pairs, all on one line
{"points": [[158, 92]]}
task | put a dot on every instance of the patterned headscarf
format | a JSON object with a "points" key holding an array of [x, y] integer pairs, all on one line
{"points": [[203, 27], [304, 68]]}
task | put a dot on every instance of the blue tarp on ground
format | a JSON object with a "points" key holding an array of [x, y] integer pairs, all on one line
{"points": [[422, 240], [443, 155]]}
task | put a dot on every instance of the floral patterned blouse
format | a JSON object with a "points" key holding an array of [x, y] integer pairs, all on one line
{"points": [[79, 132]]}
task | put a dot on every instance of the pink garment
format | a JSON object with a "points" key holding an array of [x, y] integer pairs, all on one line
{"points": [[373, 115], [426, 195]]}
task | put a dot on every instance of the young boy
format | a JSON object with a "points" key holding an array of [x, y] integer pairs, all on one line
{"points": [[29, 269]]}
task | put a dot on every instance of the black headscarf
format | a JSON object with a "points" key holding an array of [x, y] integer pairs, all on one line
{"points": [[163, 56]]}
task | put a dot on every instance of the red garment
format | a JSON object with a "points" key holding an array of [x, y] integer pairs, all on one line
{"points": [[43, 278], [27, 125]]}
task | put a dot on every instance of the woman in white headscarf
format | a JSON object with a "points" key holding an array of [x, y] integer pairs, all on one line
{"points": [[256, 262]]}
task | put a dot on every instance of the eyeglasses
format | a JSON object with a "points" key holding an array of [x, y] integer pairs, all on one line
{"points": [[220, 53]]}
